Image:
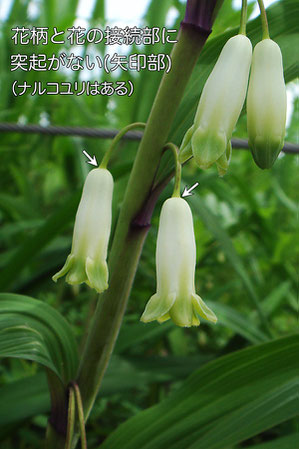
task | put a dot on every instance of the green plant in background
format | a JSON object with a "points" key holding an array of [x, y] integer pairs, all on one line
{"points": [[242, 396]]}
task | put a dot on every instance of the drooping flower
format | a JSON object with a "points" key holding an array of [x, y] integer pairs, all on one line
{"points": [[221, 102], [87, 260], [266, 104], [175, 265]]}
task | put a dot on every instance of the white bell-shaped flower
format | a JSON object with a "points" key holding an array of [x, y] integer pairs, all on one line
{"points": [[220, 105], [175, 264], [87, 260], [266, 104]]}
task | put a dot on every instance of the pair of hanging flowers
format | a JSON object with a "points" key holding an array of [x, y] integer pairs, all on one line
{"points": [[222, 99], [208, 141], [175, 254]]}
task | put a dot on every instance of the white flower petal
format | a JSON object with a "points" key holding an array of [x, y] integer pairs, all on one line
{"points": [[266, 104], [175, 263], [87, 261]]}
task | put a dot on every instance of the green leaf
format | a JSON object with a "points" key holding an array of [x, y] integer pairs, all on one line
{"points": [[27, 397], [271, 303], [60, 14], [98, 13], [240, 395], [283, 198], [135, 373], [139, 332], [238, 322], [23, 399], [213, 224], [32, 245], [32, 330]]}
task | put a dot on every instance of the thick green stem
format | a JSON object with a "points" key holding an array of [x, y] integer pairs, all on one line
{"points": [[130, 235], [57, 424], [264, 20]]}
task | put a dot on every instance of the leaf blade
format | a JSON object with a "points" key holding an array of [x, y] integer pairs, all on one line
{"points": [[33, 330], [221, 388]]}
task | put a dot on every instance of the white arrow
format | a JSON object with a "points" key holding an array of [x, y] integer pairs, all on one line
{"points": [[91, 160], [188, 192]]}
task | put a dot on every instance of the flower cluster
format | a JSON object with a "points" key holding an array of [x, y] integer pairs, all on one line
{"points": [[175, 254], [209, 141], [222, 99]]}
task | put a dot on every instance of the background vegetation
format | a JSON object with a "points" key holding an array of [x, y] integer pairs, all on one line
{"points": [[246, 227]]}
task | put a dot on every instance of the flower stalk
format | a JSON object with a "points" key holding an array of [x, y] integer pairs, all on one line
{"points": [[116, 139], [243, 21], [80, 415], [70, 418], [178, 169], [264, 20]]}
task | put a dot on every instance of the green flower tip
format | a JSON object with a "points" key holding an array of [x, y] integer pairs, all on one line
{"points": [[182, 310], [265, 151], [78, 271]]}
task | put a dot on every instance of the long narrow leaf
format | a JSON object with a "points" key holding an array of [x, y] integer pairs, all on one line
{"points": [[23, 399], [32, 330], [44, 234], [222, 404]]}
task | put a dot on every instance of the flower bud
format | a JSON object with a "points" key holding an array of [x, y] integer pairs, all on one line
{"points": [[266, 104], [175, 264], [220, 105], [87, 260]]}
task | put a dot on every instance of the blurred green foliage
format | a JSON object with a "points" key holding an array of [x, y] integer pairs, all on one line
{"points": [[246, 227]]}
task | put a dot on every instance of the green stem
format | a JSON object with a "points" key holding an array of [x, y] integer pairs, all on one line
{"points": [[80, 415], [178, 169], [116, 139], [129, 236], [243, 21], [264, 20], [70, 418], [57, 424]]}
